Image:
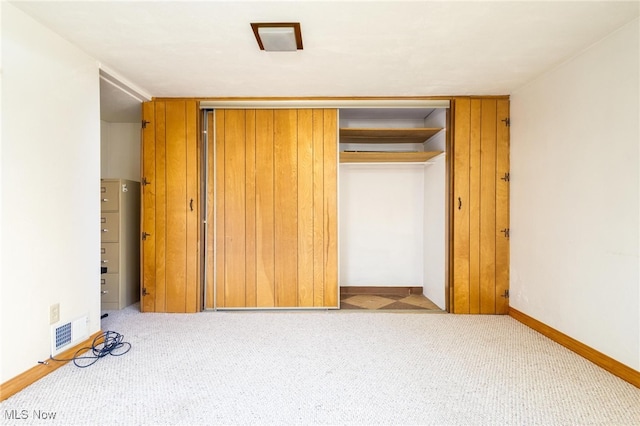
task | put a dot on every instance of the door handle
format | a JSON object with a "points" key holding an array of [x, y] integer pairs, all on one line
{"points": [[191, 204]]}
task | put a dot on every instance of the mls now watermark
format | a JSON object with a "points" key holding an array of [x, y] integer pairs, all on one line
{"points": [[29, 414]]}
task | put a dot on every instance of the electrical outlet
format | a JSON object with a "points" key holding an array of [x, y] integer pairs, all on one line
{"points": [[54, 313]]}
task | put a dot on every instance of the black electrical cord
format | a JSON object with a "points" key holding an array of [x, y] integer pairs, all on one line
{"points": [[106, 343]]}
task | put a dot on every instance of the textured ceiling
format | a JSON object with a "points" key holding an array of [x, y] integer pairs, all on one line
{"points": [[418, 48]]}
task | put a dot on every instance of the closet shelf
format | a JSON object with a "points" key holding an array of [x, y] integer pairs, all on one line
{"points": [[387, 135], [387, 157]]}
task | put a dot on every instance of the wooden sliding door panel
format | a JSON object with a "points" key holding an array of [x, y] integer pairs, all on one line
{"points": [[305, 208], [330, 208], [250, 209], [502, 209], [220, 250], [265, 210], [461, 226], [170, 196], [276, 208], [286, 205], [235, 208], [209, 214], [318, 207]]}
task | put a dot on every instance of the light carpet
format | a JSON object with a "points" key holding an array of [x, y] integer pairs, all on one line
{"points": [[330, 367]]}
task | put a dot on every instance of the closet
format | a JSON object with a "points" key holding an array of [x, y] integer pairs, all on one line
{"points": [[392, 184], [280, 224]]}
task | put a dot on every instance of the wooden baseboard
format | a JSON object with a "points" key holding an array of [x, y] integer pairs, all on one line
{"points": [[32, 375], [598, 358], [380, 290]]}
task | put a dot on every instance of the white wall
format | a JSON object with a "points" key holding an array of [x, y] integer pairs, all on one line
{"points": [[435, 200], [120, 150], [575, 197], [50, 180], [381, 224]]}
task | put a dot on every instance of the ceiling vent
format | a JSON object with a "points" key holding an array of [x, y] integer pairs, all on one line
{"points": [[278, 36]]}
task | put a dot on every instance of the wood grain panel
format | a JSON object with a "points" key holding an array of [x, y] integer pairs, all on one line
{"points": [[148, 209], [460, 238], [171, 167], [474, 206], [279, 198], [220, 119], [209, 214], [386, 135], [161, 208], [176, 163], [502, 208], [192, 250], [265, 214], [286, 206], [330, 208], [250, 212], [305, 208], [488, 207], [318, 207], [235, 209]]}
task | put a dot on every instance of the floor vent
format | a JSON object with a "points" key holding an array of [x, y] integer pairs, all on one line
{"points": [[68, 334]]}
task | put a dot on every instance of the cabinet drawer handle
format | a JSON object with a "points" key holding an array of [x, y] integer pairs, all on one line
{"points": [[104, 200], [459, 203], [104, 291], [105, 230], [105, 261]]}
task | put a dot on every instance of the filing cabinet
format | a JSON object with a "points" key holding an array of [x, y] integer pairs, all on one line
{"points": [[120, 243]]}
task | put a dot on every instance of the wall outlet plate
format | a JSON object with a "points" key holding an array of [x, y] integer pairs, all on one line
{"points": [[54, 313]]}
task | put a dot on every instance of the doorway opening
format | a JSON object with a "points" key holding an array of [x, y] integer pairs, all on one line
{"points": [[120, 135]]}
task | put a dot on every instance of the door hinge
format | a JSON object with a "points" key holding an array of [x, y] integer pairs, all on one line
{"points": [[505, 294], [144, 123], [145, 235], [506, 177], [505, 232], [506, 121], [144, 182], [144, 291]]}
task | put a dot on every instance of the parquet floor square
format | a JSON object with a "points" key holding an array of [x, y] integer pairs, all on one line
{"points": [[387, 302]]}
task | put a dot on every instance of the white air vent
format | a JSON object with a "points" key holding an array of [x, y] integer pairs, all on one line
{"points": [[65, 335]]}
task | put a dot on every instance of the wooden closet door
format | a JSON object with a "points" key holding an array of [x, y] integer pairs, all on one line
{"points": [[170, 207], [275, 209], [480, 242]]}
